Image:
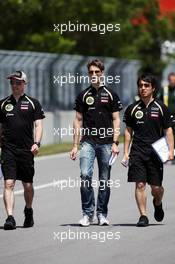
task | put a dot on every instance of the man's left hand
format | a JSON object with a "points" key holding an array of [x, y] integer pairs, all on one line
{"points": [[115, 149]]}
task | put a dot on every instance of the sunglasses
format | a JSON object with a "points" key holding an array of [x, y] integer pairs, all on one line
{"points": [[146, 85], [15, 81], [96, 72]]}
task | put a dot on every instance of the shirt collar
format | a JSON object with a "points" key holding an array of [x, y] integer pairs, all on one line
{"points": [[172, 88], [100, 86], [148, 104], [21, 97]]}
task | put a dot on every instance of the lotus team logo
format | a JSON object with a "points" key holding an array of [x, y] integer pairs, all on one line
{"points": [[9, 107], [139, 114], [90, 100]]}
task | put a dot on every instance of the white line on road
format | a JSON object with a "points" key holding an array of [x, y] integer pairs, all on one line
{"points": [[39, 187], [46, 185]]}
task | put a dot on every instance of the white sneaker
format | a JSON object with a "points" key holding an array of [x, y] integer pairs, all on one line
{"points": [[84, 221], [102, 220]]}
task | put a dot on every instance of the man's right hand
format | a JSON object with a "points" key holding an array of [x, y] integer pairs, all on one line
{"points": [[125, 160], [73, 153], [126, 156], [171, 155]]}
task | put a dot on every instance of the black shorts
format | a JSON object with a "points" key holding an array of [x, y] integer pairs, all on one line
{"points": [[145, 169], [17, 164], [173, 124]]}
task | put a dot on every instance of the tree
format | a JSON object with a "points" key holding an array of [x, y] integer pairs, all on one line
{"points": [[28, 25]]}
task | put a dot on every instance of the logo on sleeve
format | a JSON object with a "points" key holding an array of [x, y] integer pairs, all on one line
{"points": [[139, 114], [89, 100], [9, 107]]}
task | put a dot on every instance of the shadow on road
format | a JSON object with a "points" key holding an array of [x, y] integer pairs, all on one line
{"points": [[128, 224], [124, 225], [75, 225], [2, 227]]}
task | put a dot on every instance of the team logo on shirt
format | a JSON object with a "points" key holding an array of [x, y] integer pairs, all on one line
{"points": [[9, 107], [89, 100], [139, 114]]}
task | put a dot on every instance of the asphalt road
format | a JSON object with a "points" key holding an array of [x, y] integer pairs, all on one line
{"points": [[55, 238]]}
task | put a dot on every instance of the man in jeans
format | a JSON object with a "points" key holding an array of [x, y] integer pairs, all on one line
{"points": [[97, 114]]}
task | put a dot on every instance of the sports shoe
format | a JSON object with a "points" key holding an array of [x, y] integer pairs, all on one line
{"points": [[85, 221], [143, 221], [158, 212], [91, 219], [102, 220], [28, 221], [10, 223]]}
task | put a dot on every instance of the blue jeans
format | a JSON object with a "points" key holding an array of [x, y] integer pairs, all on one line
{"points": [[88, 152]]}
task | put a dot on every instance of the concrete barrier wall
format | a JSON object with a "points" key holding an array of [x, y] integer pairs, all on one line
{"points": [[45, 70]]}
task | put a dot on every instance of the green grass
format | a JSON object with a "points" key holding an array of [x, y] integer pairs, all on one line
{"points": [[58, 148], [55, 149]]}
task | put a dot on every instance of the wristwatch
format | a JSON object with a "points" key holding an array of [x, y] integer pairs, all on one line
{"points": [[38, 144], [116, 142]]}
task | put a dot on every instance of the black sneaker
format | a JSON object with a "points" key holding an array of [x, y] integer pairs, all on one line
{"points": [[10, 223], [158, 212], [28, 222], [143, 221]]}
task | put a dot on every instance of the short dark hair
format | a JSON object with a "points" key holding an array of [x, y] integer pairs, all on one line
{"points": [[171, 74], [150, 79], [98, 63]]}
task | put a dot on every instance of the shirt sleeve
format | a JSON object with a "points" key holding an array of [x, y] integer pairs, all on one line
{"points": [[116, 103], [1, 114], [79, 105], [167, 120], [127, 118], [38, 112]]}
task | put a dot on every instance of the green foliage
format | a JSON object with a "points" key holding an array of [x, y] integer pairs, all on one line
{"points": [[47, 41], [28, 25]]}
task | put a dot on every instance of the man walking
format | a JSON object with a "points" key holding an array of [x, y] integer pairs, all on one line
{"points": [[19, 115], [97, 113], [146, 121]]}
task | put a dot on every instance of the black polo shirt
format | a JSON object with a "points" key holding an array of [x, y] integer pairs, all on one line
{"points": [[171, 99], [17, 120], [97, 107], [147, 123]]}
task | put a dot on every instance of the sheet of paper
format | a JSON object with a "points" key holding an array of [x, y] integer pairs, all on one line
{"points": [[125, 162], [162, 149], [112, 159]]}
